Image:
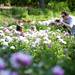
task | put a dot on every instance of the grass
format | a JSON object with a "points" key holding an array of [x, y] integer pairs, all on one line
{"points": [[32, 13], [27, 14]]}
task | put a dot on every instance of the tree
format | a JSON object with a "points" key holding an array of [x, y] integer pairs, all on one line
{"points": [[42, 3], [71, 4]]}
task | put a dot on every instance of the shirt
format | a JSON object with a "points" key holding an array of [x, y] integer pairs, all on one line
{"points": [[70, 21]]}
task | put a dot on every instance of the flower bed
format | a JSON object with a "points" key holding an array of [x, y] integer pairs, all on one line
{"points": [[42, 51]]}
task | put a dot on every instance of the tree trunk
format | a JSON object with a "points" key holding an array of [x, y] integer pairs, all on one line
{"points": [[42, 3]]}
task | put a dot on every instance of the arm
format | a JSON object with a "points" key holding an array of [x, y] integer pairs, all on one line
{"points": [[67, 25]]}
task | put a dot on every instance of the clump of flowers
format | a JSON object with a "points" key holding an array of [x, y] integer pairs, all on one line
{"points": [[2, 64], [17, 62], [18, 59], [57, 70]]}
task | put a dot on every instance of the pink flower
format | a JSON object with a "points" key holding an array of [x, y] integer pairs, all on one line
{"points": [[6, 30], [66, 33]]}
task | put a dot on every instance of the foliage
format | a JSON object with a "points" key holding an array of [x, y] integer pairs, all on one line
{"points": [[43, 45], [26, 14], [71, 4], [59, 4]]}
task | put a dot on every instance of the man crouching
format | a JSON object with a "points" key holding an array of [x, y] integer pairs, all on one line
{"points": [[68, 22]]}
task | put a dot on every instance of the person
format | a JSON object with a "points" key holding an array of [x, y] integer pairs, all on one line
{"points": [[68, 21], [32, 29], [19, 25]]}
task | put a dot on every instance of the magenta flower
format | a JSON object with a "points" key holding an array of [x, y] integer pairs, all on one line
{"points": [[57, 70], [18, 59]]}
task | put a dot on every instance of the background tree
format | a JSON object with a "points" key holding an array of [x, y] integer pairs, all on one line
{"points": [[42, 3], [71, 4]]}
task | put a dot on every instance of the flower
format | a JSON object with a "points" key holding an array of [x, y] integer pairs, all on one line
{"points": [[14, 73], [66, 33], [2, 64], [37, 40], [6, 30], [58, 30], [33, 45], [5, 72], [57, 70], [12, 47], [58, 37], [5, 44], [12, 27], [18, 59], [1, 34], [46, 40], [8, 39], [62, 41]]}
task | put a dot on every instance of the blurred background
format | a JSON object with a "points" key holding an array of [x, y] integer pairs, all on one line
{"points": [[30, 10]]}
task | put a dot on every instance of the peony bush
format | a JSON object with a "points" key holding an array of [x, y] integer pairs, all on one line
{"points": [[44, 50]]}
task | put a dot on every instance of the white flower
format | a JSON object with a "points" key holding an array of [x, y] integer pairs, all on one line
{"points": [[26, 40], [45, 38], [33, 22], [45, 22], [58, 30], [21, 38], [47, 41], [12, 47], [2, 40], [12, 27], [49, 28], [33, 44], [58, 37], [21, 23], [2, 34], [62, 41], [17, 33], [53, 33], [15, 38], [8, 39], [37, 41], [1, 27], [43, 33], [5, 43]]}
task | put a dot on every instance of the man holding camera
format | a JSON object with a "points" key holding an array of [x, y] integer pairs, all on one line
{"points": [[68, 22]]}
